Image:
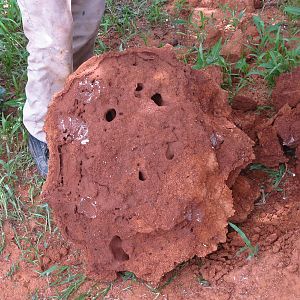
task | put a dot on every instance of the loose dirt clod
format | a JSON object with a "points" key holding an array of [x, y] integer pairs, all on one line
{"points": [[269, 151], [142, 158], [287, 89], [244, 192], [287, 126]]}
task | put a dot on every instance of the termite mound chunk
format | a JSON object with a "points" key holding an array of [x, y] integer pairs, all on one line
{"points": [[142, 159]]}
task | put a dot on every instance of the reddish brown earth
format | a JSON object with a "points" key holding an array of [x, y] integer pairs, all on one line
{"points": [[280, 134], [287, 126], [140, 169], [273, 274], [273, 224], [287, 89]]}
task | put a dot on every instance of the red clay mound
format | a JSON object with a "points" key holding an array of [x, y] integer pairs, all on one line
{"points": [[141, 160]]}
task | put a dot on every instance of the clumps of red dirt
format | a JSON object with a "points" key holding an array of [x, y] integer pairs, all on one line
{"points": [[276, 135], [274, 274], [287, 126], [287, 89], [245, 191], [281, 134], [142, 159]]}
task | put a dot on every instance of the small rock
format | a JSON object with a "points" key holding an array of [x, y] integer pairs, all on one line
{"points": [[269, 188], [174, 42]]}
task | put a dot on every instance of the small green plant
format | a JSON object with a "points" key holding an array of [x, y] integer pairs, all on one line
{"points": [[210, 57], [260, 108], [13, 269], [95, 292], [122, 20], [181, 5], [253, 250], [213, 57], [292, 11], [242, 66], [13, 53], [171, 277], [35, 295], [156, 13], [276, 175], [64, 280], [203, 281], [193, 27], [234, 17], [42, 214], [128, 276], [272, 55], [2, 241]]}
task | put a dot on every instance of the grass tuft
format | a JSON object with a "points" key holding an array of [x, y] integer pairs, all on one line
{"points": [[253, 250]]}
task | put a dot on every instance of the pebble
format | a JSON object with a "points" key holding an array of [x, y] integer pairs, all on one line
{"points": [[174, 42]]}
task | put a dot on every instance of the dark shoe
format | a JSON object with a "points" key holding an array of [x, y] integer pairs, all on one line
{"points": [[40, 154], [2, 95]]}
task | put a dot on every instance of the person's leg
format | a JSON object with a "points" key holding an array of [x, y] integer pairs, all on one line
{"points": [[86, 17], [48, 26]]}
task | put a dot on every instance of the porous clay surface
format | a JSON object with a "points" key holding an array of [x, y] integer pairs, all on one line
{"points": [[142, 159]]}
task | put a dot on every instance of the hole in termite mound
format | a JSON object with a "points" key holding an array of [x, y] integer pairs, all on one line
{"points": [[67, 230], [289, 151], [142, 176], [157, 99], [116, 249], [139, 87], [170, 152], [110, 115]]}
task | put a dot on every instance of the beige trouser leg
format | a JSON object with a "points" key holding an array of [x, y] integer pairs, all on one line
{"points": [[86, 15], [56, 30]]}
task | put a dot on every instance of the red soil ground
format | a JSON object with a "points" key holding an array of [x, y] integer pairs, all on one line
{"points": [[273, 224]]}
